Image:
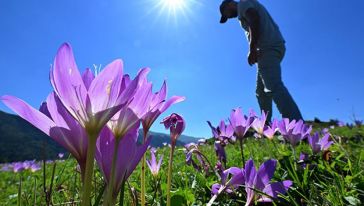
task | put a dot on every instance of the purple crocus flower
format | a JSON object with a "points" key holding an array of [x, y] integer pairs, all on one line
{"points": [[292, 131], [286, 127], [325, 131], [229, 184], [340, 124], [189, 148], [192, 148], [158, 105], [255, 180], [60, 155], [28, 163], [152, 163], [131, 114], [240, 122], [223, 133], [269, 131], [260, 180], [318, 144], [18, 167], [176, 124], [92, 101], [6, 167], [259, 123], [129, 155], [82, 104], [34, 167]]}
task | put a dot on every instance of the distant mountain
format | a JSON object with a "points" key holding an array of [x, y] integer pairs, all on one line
{"points": [[20, 141]]}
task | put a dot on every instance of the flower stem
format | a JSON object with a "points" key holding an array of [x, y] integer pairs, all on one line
{"points": [[212, 200], [242, 151], [210, 165], [34, 191], [89, 169], [19, 189], [142, 177], [156, 182], [122, 191], [170, 174], [294, 157], [109, 192]]}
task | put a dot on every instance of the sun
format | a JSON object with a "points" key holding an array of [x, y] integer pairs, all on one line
{"points": [[173, 5], [172, 10]]}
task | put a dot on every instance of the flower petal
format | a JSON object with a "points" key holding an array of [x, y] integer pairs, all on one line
{"points": [[25, 111], [67, 81], [238, 177], [87, 78], [215, 188], [105, 88], [172, 100], [250, 173], [277, 188], [73, 136], [265, 173]]}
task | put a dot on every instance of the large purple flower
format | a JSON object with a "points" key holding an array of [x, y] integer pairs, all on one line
{"points": [[91, 100], [241, 123], [128, 156], [318, 144]]}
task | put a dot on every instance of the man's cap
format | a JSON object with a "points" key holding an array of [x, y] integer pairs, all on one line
{"points": [[222, 8]]}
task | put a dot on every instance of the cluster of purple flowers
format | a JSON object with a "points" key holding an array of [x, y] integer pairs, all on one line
{"points": [[97, 116], [292, 132], [30, 165], [253, 181]]}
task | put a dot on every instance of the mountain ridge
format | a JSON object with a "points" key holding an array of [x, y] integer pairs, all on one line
{"points": [[19, 140]]}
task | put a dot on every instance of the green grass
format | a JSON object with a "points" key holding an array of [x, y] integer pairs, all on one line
{"points": [[337, 181]]}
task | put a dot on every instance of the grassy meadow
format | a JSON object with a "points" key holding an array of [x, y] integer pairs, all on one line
{"points": [[334, 177]]}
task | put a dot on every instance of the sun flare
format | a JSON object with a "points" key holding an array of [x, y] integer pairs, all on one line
{"points": [[172, 11], [173, 4]]}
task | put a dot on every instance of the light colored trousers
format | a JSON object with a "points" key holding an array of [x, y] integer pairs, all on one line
{"points": [[270, 86]]}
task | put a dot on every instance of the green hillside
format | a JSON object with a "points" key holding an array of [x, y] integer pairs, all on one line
{"points": [[20, 141]]}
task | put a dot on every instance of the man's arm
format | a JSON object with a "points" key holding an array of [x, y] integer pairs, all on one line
{"points": [[253, 21]]}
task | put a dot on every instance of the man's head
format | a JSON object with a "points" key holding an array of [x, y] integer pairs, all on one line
{"points": [[228, 9]]}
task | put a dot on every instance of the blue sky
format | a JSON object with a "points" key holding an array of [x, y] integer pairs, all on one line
{"points": [[199, 57]]}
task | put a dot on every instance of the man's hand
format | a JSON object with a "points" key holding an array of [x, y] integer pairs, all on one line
{"points": [[252, 56]]}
